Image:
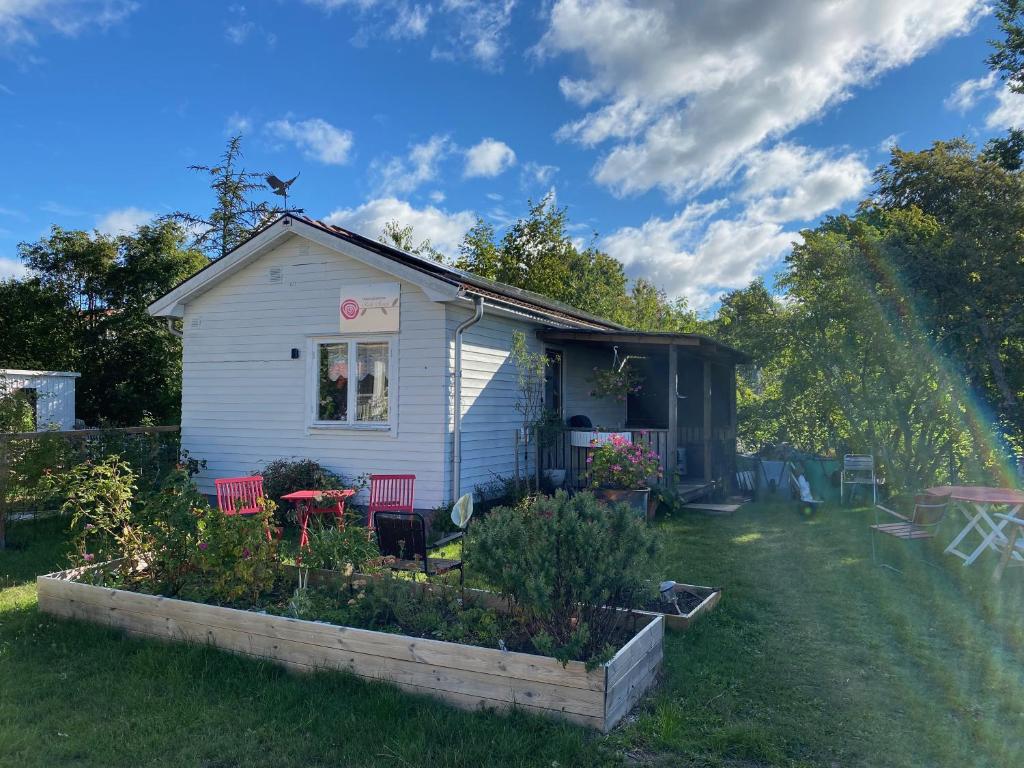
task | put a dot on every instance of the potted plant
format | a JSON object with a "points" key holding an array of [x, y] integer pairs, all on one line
{"points": [[619, 472]]}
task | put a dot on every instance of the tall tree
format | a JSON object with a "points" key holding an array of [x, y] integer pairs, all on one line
{"points": [[393, 233], [967, 275], [84, 309], [1008, 57], [236, 213]]}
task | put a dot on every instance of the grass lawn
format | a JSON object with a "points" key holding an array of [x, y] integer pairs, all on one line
{"points": [[814, 657]]}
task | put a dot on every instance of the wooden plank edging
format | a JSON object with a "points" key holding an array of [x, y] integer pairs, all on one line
{"points": [[462, 675]]}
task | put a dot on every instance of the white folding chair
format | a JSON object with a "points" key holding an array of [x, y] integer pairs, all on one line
{"points": [[858, 469], [1012, 546]]}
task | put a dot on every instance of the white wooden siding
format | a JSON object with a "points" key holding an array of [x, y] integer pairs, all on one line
{"points": [[490, 392], [55, 395], [244, 398]]}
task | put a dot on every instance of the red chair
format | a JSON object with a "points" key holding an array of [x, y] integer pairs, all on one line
{"points": [[390, 493], [241, 496]]}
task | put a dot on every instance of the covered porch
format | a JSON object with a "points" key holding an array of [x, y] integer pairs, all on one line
{"points": [[685, 407]]}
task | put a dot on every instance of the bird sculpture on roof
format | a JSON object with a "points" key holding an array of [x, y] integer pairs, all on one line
{"points": [[281, 187]]}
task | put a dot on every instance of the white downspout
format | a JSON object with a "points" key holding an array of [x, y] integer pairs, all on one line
{"points": [[173, 331], [478, 312]]}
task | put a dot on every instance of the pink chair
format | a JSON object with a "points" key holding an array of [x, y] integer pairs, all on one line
{"points": [[390, 493], [239, 495], [242, 496]]}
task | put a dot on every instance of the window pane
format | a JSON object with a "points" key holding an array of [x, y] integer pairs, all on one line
{"points": [[332, 392], [372, 386]]}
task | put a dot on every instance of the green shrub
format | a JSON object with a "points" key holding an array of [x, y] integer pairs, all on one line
{"points": [[348, 549], [558, 560], [283, 476], [171, 513], [234, 555], [99, 499]]}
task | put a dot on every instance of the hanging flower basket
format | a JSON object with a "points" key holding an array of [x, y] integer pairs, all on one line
{"points": [[616, 383]]}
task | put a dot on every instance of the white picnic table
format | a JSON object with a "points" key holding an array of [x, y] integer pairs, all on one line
{"points": [[981, 506]]}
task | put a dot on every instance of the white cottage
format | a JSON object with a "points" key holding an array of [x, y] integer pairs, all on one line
{"points": [[50, 393], [312, 341]]}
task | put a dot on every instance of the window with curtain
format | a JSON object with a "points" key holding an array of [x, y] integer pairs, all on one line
{"points": [[352, 382]]}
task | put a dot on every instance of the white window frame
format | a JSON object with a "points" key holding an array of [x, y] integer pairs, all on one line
{"points": [[313, 423]]}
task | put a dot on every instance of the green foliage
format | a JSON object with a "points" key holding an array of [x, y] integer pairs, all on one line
{"points": [[557, 561], [99, 500], [346, 549], [393, 233], [390, 604], [234, 555], [282, 476], [538, 254], [1008, 57], [83, 308], [901, 330], [17, 409], [621, 464]]}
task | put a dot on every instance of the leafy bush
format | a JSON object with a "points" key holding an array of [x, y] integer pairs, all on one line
{"points": [[560, 559], [283, 476], [171, 514], [99, 500], [168, 538], [235, 556], [393, 604], [619, 463], [348, 549]]}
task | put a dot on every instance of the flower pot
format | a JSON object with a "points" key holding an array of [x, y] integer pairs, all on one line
{"points": [[635, 498], [591, 438], [554, 477]]}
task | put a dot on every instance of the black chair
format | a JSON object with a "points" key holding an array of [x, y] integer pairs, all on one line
{"points": [[403, 536]]}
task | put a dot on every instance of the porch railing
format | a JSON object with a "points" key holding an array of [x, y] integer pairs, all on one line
{"points": [[558, 452]]}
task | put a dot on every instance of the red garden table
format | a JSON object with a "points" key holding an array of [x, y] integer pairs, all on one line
{"points": [[978, 503], [309, 503]]}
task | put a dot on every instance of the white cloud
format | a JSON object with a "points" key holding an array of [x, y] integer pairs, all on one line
{"points": [[1009, 112], [124, 221], [239, 33], [684, 90], [890, 142], [536, 174], [12, 267], [465, 29], [481, 27], [489, 158], [398, 175], [444, 229], [21, 21], [236, 124], [437, 196], [410, 22], [794, 183], [967, 93], [1009, 109], [318, 139], [687, 256]]}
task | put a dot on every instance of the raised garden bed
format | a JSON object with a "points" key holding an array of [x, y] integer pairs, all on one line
{"points": [[466, 676], [693, 601]]}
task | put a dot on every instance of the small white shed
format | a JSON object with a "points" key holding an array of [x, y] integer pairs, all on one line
{"points": [[52, 392]]}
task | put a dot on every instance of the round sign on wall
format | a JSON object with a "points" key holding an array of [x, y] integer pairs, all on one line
{"points": [[350, 309]]}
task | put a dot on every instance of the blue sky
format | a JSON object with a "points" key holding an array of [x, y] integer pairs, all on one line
{"points": [[695, 139]]}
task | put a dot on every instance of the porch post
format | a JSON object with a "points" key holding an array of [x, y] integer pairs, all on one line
{"points": [[707, 421], [672, 460]]}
